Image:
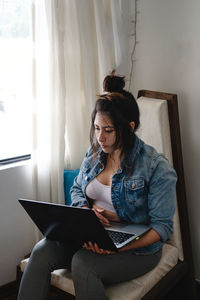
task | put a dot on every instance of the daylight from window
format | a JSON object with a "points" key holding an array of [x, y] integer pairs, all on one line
{"points": [[15, 78]]}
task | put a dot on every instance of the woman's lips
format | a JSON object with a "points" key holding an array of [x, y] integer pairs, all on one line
{"points": [[103, 146]]}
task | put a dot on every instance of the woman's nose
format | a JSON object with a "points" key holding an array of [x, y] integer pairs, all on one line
{"points": [[101, 136]]}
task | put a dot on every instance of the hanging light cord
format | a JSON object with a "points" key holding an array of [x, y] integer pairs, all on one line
{"points": [[134, 42]]}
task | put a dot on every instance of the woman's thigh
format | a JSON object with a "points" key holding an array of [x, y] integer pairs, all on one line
{"points": [[114, 268]]}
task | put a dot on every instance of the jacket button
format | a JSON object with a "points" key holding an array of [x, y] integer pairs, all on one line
{"points": [[86, 177]]}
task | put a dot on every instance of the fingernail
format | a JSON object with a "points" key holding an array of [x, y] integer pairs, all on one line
{"points": [[100, 209]]}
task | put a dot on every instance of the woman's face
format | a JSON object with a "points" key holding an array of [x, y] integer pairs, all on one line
{"points": [[105, 132]]}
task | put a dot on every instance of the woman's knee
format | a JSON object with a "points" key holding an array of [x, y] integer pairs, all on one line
{"points": [[43, 250]]}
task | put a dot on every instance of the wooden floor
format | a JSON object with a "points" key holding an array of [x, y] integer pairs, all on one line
{"points": [[11, 294], [51, 297]]}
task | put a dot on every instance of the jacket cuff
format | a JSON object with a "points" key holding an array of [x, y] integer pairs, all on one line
{"points": [[80, 203], [163, 232]]}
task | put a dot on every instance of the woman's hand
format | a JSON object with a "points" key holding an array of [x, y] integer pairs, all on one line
{"points": [[104, 215], [100, 213], [95, 248]]}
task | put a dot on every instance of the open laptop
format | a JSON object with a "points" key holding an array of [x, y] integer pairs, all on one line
{"points": [[79, 225]]}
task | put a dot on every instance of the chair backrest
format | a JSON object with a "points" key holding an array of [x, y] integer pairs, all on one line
{"points": [[160, 128], [155, 131]]}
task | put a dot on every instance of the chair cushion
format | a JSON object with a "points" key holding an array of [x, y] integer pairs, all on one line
{"points": [[155, 131], [134, 289], [69, 176]]}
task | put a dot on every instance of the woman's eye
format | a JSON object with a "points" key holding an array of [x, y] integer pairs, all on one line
{"points": [[105, 130], [109, 131]]}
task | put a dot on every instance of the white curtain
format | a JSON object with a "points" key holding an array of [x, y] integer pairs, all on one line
{"points": [[76, 44]]}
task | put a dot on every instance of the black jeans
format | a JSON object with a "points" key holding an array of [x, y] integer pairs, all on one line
{"points": [[90, 271]]}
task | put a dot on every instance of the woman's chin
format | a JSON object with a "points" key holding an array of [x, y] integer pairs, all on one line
{"points": [[107, 150], [104, 148]]}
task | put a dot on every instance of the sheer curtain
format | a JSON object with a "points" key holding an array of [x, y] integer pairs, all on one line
{"points": [[76, 43]]}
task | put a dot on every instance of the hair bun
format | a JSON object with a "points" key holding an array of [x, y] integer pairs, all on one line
{"points": [[113, 83]]}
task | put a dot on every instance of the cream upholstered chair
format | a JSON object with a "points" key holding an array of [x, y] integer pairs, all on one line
{"points": [[159, 128]]}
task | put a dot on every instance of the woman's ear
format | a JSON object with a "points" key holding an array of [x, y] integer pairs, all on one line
{"points": [[132, 124]]}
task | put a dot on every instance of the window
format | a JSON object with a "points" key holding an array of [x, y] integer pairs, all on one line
{"points": [[15, 80]]}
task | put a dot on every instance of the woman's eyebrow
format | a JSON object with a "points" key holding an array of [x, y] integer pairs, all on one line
{"points": [[107, 126]]}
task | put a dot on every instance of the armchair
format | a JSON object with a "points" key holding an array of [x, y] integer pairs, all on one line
{"points": [[160, 128]]}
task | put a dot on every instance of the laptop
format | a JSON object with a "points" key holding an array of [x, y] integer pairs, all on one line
{"points": [[79, 225]]}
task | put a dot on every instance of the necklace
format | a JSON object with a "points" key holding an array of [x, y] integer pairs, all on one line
{"points": [[114, 164]]}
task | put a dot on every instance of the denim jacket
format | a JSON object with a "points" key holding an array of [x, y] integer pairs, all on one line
{"points": [[146, 196]]}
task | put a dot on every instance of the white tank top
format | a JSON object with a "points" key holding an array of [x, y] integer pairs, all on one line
{"points": [[101, 194]]}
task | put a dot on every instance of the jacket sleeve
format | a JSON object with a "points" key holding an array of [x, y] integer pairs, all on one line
{"points": [[161, 198], [77, 190]]}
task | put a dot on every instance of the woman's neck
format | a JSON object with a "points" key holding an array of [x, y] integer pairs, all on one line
{"points": [[114, 160], [115, 155]]}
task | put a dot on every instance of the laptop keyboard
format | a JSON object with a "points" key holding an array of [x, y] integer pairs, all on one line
{"points": [[119, 237]]}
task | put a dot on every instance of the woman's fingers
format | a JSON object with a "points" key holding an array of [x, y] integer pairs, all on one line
{"points": [[102, 219], [110, 216], [92, 247], [98, 250], [95, 248], [86, 246], [102, 251], [98, 208]]}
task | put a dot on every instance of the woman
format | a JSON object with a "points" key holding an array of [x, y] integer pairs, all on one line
{"points": [[121, 179]]}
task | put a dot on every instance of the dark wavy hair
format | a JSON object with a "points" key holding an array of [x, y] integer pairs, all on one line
{"points": [[121, 106]]}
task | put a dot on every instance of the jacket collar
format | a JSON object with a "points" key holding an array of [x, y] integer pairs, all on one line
{"points": [[129, 160]]}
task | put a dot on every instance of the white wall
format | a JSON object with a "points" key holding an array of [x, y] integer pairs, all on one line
{"points": [[168, 60], [16, 229]]}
